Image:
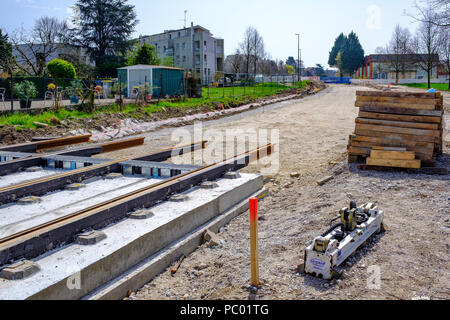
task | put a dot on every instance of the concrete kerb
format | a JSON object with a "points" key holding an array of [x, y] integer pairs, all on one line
{"points": [[144, 272]]}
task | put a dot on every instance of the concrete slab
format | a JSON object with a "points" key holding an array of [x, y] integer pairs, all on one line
{"points": [[138, 276], [129, 242], [21, 177], [55, 205]]}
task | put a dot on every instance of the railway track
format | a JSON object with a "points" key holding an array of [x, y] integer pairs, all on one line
{"points": [[51, 183], [35, 241]]}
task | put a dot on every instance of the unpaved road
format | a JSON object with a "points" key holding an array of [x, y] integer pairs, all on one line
{"points": [[412, 255]]}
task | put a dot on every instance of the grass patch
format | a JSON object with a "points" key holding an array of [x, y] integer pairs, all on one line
{"points": [[212, 99], [437, 86]]}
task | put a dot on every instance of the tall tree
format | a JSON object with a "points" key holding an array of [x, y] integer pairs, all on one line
{"points": [[398, 52], [440, 9], [352, 54], [258, 50], [337, 47], [427, 44], [6, 57], [445, 51], [104, 27], [143, 53], [33, 48], [235, 62], [247, 48]]}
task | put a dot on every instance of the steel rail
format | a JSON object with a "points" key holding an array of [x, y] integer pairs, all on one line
{"points": [[13, 165], [37, 146], [43, 185], [62, 230]]}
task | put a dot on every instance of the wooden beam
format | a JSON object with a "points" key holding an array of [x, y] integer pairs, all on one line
{"points": [[393, 155], [399, 124], [422, 95], [398, 117], [399, 100], [410, 164], [422, 153], [392, 142], [390, 129], [359, 104], [395, 136], [403, 111]]}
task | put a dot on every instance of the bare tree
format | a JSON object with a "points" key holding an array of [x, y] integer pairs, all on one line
{"points": [[440, 9], [247, 48], [33, 48], [258, 49], [235, 61], [445, 51], [253, 49], [427, 44], [398, 52]]}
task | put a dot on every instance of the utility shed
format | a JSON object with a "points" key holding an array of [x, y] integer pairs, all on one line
{"points": [[161, 81]]}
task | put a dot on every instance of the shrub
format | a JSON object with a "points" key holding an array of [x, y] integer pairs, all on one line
{"points": [[61, 69], [25, 90]]}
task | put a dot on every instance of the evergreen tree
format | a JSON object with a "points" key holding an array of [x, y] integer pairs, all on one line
{"points": [[143, 54], [104, 26], [338, 44], [6, 57], [352, 54]]}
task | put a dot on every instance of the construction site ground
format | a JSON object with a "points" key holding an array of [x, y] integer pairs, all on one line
{"points": [[412, 255]]}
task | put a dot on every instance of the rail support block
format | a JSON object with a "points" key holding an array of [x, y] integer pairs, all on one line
{"points": [[20, 270], [142, 214], [232, 175], [179, 198], [75, 186], [29, 200], [209, 185], [90, 238], [34, 169], [113, 176]]}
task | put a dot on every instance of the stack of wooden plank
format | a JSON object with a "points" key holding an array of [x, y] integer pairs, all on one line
{"points": [[408, 122]]}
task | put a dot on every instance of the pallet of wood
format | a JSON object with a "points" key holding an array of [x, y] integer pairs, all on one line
{"points": [[412, 122]]}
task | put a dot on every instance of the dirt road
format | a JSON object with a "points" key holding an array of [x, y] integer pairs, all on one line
{"points": [[412, 255]]}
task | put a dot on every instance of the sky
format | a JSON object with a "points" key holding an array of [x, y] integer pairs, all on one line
{"points": [[318, 22]]}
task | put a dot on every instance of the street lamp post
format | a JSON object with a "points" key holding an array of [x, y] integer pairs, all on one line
{"points": [[299, 70]]}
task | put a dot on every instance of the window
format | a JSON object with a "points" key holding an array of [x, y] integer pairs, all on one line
{"points": [[179, 34], [184, 58]]}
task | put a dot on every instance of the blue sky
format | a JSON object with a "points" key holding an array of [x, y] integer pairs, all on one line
{"points": [[319, 22]]}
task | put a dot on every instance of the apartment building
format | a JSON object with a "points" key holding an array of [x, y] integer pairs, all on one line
{"points": [[193, 49]]}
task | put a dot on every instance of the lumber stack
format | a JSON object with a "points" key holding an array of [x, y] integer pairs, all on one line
{"points": [[392, 127]]}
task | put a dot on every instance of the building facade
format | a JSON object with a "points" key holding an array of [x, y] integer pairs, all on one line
{"points": [[193, 49], [383, 66]]}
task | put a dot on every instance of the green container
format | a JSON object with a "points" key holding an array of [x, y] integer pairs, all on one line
{"points": [[168, 82]]}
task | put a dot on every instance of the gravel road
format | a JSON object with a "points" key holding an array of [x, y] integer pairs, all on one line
{"points": [[412, 255]]}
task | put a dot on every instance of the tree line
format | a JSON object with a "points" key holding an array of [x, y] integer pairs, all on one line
{"points": [[100, 27], [404, 50]]}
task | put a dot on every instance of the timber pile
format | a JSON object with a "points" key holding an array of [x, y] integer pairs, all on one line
{"points": [[398, 129]]}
